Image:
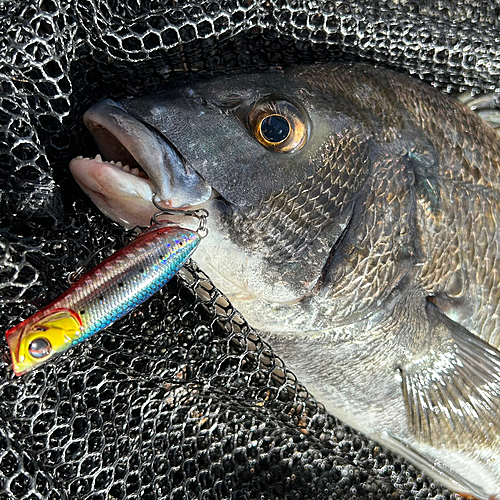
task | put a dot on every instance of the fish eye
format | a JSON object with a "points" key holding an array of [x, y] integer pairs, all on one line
{"points": [[39, 348], [278, 125]]}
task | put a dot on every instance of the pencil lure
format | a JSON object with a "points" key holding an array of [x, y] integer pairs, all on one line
{"points": [[107, 293]]}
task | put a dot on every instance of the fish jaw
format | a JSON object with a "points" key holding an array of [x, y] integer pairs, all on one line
{"points": [[120, 194], [142, 165]]}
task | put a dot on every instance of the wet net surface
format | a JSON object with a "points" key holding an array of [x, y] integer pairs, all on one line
{"points": [[181, 399]]}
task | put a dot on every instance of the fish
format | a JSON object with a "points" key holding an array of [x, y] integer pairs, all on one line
{"points": [[102, 296], [354, 222]]}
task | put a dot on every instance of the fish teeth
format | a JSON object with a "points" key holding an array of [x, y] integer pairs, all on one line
{"points": [[112, 162], [126, 168], [79, 157], [119, 163], [98, 158], [135, 171]]}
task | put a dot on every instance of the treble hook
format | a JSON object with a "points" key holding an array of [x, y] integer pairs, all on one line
{"points": [[200, 213]]}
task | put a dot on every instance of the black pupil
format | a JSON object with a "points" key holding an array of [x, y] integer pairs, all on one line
{"points": [[275, 128], [40, 348]]}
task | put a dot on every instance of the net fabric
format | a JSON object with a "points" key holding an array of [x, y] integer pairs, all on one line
{"points": [[181, 399]]}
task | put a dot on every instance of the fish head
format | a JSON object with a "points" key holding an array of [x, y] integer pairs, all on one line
{"points": [[188, 142], [37, 339], [257, 151]]}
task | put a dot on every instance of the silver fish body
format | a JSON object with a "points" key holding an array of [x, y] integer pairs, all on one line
{"points": [[355, 218]]}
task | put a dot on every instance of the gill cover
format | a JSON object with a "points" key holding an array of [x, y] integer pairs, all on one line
{"points": [[39, 337]]}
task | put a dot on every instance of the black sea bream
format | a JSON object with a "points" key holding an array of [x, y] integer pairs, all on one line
{"points": [[354, 221]]}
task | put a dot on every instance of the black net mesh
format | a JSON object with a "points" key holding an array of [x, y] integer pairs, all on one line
{"points": [[181, 399]]}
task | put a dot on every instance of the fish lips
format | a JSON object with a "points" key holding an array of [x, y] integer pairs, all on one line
{"points": [[121, 136]]}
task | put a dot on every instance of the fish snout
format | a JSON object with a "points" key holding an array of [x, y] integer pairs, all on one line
{"points": [[137, 163]]}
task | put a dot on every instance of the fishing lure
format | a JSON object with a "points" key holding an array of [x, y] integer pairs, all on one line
{"points": [[107, 293]]}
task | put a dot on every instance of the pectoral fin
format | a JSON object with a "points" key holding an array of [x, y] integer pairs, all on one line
{"points": [[452, 400], [452, 395]]}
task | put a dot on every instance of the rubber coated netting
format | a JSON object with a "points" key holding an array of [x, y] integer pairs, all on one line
{"points": [[180, 399]]}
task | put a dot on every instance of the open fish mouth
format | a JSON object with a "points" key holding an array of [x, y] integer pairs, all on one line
{"points": [[137, 164]]}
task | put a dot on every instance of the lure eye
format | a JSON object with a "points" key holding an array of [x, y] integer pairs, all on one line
{"points": [[279, 125], [39, 348]]}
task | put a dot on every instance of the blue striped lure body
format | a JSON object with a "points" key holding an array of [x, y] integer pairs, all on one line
{"points": [[107, 293]]}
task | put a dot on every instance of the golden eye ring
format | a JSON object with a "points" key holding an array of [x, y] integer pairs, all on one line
{"points": [[279, 125]]}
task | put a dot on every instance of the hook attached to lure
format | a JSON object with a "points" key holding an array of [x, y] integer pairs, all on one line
{"points": [[201, 214], [108, 292]]}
